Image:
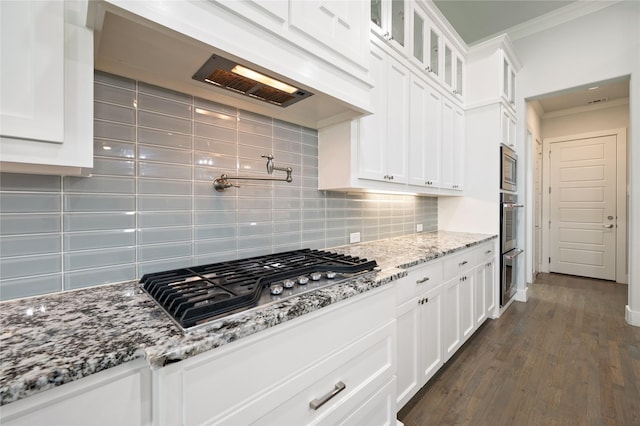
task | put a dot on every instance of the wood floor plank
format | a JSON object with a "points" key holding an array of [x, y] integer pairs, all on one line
{"points": [[566, 357]]}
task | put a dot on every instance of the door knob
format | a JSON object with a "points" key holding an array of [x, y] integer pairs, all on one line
{"points": [[608, 226]]}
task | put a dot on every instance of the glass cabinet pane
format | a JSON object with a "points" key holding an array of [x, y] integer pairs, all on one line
{"points": [[513, 87], [397, 21], [434, 41], [447, 65], [418, 37], [505, 77], [459, 76], [376, 12]]}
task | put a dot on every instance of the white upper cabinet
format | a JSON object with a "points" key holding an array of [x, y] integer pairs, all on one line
{"points": [[425, 134], [388, 19], [508, 81], [453, 146], [453, 77], [492, 69], [46, 75], [338, 25], [383, 138], [32, 70]]}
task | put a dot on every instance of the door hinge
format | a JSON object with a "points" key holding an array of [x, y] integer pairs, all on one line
{"points": [[549, 224], [549, 190], [549, 260], [549, 153]]}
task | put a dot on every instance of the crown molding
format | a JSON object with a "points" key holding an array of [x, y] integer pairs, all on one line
{"points": [[560, 16]]}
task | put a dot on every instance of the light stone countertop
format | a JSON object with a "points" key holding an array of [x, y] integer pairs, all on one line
{"points": [[49, 340]]}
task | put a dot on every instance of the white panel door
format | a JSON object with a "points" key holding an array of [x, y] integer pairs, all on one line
{"points": [[583, 207], [430, 334], [408, 350]]}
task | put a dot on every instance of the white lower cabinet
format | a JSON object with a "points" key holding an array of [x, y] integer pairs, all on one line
{"points": [[277, 376], [439, 307], [419, 322], [117, 396]]}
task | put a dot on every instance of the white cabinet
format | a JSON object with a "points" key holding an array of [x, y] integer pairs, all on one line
{"points": [[508, 79], [46, 88], [427, 42], [383, 139], [453, 73], [453, 146], [273, 377], [458, 302], [419, 323], [425, 134], [388, 19], [32, 70], [117, 396], [507, 127]]}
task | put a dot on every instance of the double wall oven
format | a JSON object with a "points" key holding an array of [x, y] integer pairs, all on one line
{"points": [[509, 208]]}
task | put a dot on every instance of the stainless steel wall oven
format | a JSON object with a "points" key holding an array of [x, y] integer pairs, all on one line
{"points": [[508, 169], [508, 245]]}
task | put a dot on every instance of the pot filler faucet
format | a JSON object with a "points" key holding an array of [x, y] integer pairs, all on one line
{"points": [[221, 183]]}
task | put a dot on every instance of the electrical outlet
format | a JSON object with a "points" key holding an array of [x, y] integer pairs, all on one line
{"points": [[354, 237], [419, 227]]}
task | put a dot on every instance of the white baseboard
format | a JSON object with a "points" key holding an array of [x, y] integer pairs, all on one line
{"points": [[632, 317], [521, 294]]}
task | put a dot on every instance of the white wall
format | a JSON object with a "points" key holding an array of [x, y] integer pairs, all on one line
{"points": [[534, 126], [555, 124], [597, 47]]}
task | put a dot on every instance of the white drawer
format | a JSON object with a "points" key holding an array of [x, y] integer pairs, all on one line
{"points": [[361, 368], [458, 263], [419, 279], [267, 360], [485, 252]]}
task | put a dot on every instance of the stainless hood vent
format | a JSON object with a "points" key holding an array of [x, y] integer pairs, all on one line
{"points": [[229, 75]]}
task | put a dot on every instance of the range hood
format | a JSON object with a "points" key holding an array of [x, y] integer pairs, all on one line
{"points": [[148, 48], [230, 75]]}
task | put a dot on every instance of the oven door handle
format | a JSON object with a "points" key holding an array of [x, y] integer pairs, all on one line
{"points": [[511, 205], [510, 255]]}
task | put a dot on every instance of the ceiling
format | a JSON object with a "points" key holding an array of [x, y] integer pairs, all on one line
{"points": [[479, 20]]}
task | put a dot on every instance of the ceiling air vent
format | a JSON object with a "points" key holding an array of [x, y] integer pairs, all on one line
{"points": [[597, 101], [229, 75]]}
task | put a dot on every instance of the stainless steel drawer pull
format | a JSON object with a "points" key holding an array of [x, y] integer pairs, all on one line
{"points": [[464, 262], [319, 402], [424, 280], [488, 252]]}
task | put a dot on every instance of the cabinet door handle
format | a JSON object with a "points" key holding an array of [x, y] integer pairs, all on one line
{"points": [[464, 262], [424, 280], [426, 300], [488, 252], [319, 402]]}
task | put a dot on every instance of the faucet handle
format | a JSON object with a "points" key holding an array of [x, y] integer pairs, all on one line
{"points": [[269, 158]]}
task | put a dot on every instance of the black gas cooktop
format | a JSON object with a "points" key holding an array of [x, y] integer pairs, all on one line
{"points": [[196, 295]]}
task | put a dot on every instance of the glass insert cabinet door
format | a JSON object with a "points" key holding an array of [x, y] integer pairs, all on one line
{"points": [[397, 21], [389, 16], [448, 65], [376, 12], [418, 37], [459, 68], [434, 49]]}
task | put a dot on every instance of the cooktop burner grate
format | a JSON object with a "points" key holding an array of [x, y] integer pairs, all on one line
{"points": [[195, 295]]}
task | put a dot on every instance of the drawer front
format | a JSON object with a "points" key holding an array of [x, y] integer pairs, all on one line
{"points": [[378, 409], [335, 384], [267, 359], [419, 280], [459, 263], [485, 253]]}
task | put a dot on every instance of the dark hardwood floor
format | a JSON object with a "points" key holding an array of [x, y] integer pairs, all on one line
{"points": [[566, 357]]}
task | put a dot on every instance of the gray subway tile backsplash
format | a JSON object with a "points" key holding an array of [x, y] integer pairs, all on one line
{"points": [[149, 204]]}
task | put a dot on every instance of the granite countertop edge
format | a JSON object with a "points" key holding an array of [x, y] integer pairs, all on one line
{"points": [[46, 341]]}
